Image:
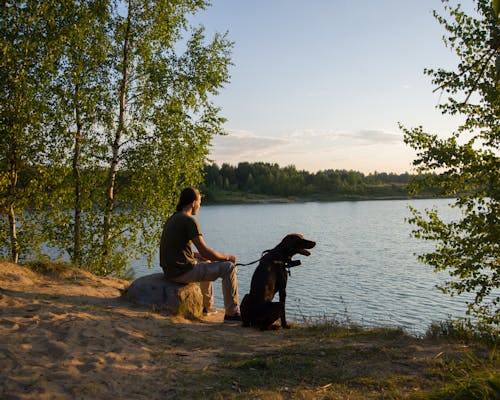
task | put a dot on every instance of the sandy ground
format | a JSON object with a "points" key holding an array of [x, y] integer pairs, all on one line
{"points": [[73, 337]]}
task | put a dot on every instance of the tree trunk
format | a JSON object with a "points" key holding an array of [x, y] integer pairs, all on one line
{"points": [[110, 198], [77, 245], [14, 243], [13, 235]]}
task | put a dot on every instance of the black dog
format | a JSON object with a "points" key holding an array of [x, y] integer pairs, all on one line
{"points": [[257, 307]]}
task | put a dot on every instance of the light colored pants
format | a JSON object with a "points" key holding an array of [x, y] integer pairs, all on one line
{"points": [[206, 273]]}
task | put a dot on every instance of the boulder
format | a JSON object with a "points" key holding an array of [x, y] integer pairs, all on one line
{"points": [[174, 298]]}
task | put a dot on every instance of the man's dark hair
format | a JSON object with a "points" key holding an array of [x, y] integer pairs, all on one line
{"points": [[187, 196]]}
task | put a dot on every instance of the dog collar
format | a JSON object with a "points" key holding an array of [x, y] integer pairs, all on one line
{"points": [[287, 264]]}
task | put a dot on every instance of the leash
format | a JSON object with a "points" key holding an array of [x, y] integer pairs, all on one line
{"points": [[250, 263], [287, 264]]}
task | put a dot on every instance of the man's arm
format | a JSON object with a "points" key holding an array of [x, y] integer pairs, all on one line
{"points": [[211, 254]]}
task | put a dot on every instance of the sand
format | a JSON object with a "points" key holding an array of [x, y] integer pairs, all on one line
{"points": [[72, 336]]}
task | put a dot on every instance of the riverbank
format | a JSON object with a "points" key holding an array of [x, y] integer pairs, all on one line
{"points": [[69, 335], [240, 197]]}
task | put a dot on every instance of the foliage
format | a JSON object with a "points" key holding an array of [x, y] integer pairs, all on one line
{"points": [[164, 121], [29, 48], [273, 180], [106, 112], [466, 164], [78, 114]]}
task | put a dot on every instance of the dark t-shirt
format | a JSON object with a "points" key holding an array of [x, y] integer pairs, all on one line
{"points": [[176, 254]]}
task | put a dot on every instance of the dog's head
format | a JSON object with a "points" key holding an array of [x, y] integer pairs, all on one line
{"points": [[295, 243]]}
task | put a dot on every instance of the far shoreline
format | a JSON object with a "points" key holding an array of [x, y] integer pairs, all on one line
{"points": [[241, 198]]}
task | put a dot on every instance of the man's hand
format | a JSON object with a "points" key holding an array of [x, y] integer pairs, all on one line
{"points": [[198, 256], [207, 253]]}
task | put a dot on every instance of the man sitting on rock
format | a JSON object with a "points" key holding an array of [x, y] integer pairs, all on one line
{"points": [[179, 261]]}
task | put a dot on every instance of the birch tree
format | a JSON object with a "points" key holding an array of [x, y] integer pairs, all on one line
{"points": [[80, 114], [165, 119], [466, 165], [106, 113], [29, 35]]}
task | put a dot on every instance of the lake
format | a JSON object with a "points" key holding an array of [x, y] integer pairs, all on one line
{"points": [[363, 268]]}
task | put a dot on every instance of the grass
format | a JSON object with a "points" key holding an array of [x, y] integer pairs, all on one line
{"points": [[331, 362], [469, 378], [52, 268], [464, 330]]}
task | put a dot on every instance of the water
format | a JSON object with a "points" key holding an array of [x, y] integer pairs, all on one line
{"points": [[363, 268]]}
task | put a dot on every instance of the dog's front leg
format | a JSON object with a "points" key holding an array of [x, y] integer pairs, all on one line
{"points": [[282, 297]]}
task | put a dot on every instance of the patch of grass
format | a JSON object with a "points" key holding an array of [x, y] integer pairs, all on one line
{"points": [[471, 378], [178, 340], [330, 361], [306, 367], [277, 364], [237, 197], [330, 328], [47, 267], [391, 387], [284, 367], [464, 330]]}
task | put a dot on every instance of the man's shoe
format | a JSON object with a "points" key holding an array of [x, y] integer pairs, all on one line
{"points": [[232, 318], [209, 311]]}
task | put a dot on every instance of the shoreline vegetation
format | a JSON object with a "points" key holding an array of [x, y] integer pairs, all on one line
{"points": [[68, 334], [235, 197], [260, 182]]}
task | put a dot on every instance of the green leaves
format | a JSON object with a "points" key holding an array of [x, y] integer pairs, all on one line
{"points": [[465, 165], [103, 119]]}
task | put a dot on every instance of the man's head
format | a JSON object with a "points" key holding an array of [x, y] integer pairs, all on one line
{"points": [[189, 201]]}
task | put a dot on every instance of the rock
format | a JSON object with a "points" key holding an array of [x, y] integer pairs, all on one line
{"points": [[174, 298]]}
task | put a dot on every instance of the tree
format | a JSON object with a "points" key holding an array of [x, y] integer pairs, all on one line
{"points": [[465, 165], [30, 34], [79, 114], [164, 121], [106, 112]]}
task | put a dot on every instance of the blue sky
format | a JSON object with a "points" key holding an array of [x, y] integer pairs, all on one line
{"points": [[322, 84]]}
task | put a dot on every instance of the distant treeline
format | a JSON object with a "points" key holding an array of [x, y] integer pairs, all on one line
{"points": [[272, 180]]}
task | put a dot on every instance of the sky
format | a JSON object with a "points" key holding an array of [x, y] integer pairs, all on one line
{"points": [[324, 84]]}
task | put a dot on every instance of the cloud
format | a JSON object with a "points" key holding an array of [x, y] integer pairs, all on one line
{"points": [[309, 149], [361, 137], [245, 144], [370, 137]]}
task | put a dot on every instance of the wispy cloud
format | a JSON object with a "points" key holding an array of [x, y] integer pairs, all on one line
{"points": [[370, 137], [362, 137], [310, 149], [245, 144]]}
